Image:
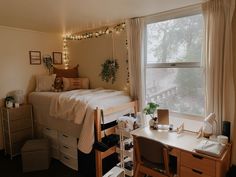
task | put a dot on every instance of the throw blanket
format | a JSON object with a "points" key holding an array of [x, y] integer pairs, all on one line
{"points": [[78, 106]]}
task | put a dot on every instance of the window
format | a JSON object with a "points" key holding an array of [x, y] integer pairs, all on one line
{"points": [[174, 76]]}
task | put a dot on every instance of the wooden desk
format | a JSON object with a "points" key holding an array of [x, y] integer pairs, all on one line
{"points": [[189, 163]]}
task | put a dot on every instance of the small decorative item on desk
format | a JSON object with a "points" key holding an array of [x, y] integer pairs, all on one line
{"points": [[9, 100], [208, 127], [150, 109]]}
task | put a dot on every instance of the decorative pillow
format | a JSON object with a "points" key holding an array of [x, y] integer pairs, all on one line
{"points": [[75, 83], [58, 84], [68, 73], [44, 82]]}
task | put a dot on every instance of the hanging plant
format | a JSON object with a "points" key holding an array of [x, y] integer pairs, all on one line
{"points": [[47, 60], [109, 69]]}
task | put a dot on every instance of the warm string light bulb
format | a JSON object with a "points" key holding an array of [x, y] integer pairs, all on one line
{"points": [[106, 31], [87, 35], [65, 53]]}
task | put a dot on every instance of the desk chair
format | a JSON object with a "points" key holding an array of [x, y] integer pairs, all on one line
{"points": [[151, 158]]}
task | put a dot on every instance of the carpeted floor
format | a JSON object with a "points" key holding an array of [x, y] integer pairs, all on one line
{"points": [[12, 168]]}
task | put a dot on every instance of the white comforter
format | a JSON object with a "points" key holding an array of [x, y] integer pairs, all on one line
{"points": [[79, 105]]}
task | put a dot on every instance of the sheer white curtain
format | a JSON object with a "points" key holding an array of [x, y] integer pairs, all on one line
{"points": [[135, 32], [219, 59]]}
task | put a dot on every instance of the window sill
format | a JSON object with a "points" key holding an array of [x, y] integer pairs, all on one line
{"points": [[191, 123]]}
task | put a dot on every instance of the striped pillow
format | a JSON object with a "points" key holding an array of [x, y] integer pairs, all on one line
{"points": [[75, 83]]}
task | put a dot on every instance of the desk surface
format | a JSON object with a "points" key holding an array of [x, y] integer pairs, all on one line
{"points": [[186, 140]]}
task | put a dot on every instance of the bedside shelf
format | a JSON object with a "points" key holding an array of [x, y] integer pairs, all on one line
{"points": [[125, 155]]}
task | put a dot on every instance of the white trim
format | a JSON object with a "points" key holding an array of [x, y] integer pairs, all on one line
{"points": [[186, 116], [174, 65], [175, 13]]}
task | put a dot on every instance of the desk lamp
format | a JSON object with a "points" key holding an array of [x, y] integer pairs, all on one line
{"points": [[208, 127]]}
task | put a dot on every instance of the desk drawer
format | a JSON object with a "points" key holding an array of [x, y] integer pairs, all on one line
{"points": [[197, 162], [188, 172]]}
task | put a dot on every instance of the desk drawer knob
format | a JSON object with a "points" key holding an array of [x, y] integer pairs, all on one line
{"points": [[196, 171], [197, 156]]}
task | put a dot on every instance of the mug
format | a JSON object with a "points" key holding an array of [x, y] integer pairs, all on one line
{"points": [[222, 139]]}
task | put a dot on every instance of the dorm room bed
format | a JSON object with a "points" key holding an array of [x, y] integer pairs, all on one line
{"points": [[77, 112]]}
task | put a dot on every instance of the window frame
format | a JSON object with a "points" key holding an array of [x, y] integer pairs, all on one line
{"points": [[172, 14]]}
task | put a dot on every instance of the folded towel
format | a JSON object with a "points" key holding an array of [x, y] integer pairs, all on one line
{"points": [[211, 148]]}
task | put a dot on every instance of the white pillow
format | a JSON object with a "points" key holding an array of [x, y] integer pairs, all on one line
{"points": [[45, 82]]}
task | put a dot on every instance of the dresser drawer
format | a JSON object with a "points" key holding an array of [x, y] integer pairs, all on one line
{"points": [[21, 135], [16, 147], [68, 140], [23, 112], [188, 172], [69, 161], [71, 151], [52, 136], [197, 162], [19, 124], [50, 132]]}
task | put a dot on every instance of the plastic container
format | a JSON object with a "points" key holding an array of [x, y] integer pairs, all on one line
{"points": [[18, 96]]}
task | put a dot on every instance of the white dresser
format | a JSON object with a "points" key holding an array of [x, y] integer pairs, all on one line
{"points": [[63, 147]]}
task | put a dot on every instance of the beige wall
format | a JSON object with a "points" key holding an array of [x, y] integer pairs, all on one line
{"points": [[91, 53], [234, 55], [15, 71]]}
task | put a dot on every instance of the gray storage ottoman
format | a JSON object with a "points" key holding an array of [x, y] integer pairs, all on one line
{"points": [[35, 155]]}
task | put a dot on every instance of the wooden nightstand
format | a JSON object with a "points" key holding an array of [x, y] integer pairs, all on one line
{"points": [[17, 128]]}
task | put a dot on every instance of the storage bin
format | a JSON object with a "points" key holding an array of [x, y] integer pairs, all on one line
{"points": [[35, 155]]}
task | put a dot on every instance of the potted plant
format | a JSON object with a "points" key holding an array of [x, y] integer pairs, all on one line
{"points": [[9, 100], [150, 110], [47, 60]]}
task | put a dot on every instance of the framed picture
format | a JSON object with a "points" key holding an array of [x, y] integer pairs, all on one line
{"points": [[57, 58], [35, 57]]}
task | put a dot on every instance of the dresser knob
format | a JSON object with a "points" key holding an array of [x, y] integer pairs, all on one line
{"points": [[196, 171]]}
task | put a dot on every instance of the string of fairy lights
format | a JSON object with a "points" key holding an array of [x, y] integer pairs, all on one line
{"points": [[88, 35]]}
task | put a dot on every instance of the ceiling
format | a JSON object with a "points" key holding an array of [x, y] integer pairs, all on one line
{"points": [[60, 16]]}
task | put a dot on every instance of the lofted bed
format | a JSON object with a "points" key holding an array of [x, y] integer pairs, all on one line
{"points": [[77, 114]]}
